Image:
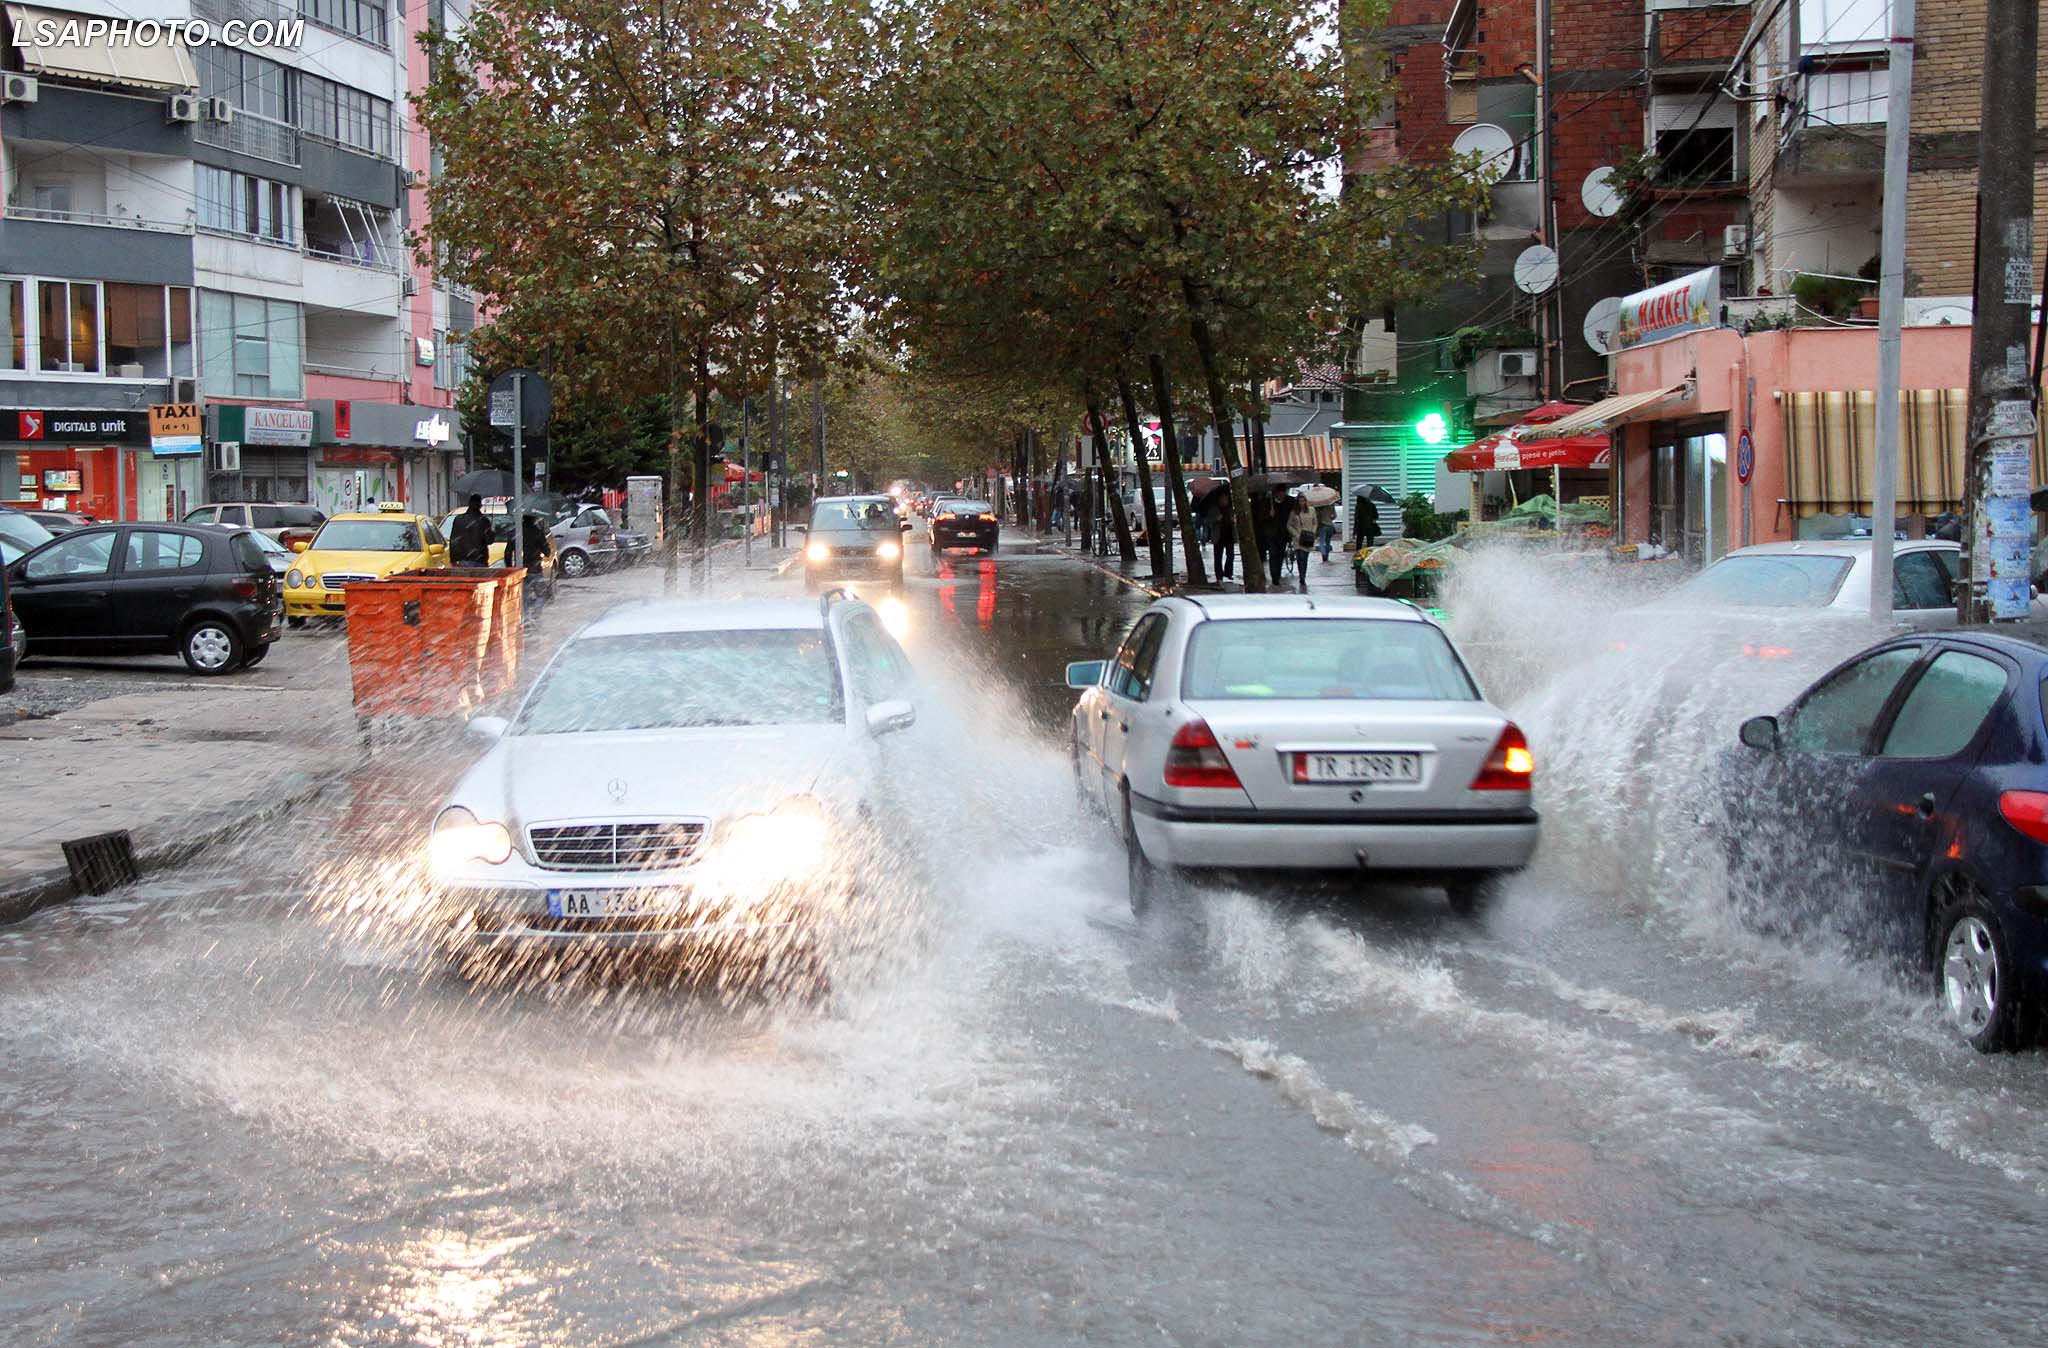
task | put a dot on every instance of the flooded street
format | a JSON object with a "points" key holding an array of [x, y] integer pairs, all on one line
{"points": [[1610, 1114]]}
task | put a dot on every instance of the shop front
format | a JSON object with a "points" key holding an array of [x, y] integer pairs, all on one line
{"points": [[93, 462], [260, 453], [384, 452]]}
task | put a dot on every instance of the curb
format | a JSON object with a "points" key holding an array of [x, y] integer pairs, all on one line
{"points": [[1061, 550], [193, 836]]}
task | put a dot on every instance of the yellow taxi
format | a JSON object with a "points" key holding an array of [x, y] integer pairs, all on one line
{"points": [[361, 545]]}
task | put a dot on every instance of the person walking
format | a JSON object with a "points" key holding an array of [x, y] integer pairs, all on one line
{"points": [[469, 537], [1272, 525], [1368, 522], [1222, 539], [1301, 536], [538, 547], [1326, 529]]}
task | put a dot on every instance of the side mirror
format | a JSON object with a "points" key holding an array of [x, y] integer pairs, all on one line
{"points": [[886, 718], [1761, 732], [487, 727], [300, 544], [1085, 673]]}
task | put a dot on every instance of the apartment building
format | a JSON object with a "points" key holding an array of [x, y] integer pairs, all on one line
{"points": [[222, 225]]}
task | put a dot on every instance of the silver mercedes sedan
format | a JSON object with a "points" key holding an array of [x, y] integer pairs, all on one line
{"points": [[1300, 733]]}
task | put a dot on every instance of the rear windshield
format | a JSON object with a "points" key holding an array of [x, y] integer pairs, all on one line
{"points": [[966, 508], [19, 533], [368, 536], [249, 551], [1323, 658], [854, 515], [669, 680], [1766, 580]]}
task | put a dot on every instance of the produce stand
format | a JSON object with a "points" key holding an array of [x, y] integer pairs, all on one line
{"points": [[438, 643]]}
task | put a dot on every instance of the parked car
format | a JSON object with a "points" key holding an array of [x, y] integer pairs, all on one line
{"points": [[1342, 735], [575, 836], [856, 537], [20, 534], [12, 643], [358, 546], [634, 548], [501, 535], [286, 521], [1906, 789], [962, 523], [60, 521], [206, 594], [1830, 577], [585, 541]]}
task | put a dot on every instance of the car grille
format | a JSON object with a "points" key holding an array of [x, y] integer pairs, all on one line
{"points": [[335, 580], [614, 847]]}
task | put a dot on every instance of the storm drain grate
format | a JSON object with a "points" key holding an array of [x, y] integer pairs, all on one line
{"points": [[102, 862]]}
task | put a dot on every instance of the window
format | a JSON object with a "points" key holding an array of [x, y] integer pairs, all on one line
{"points": [[1838, 715], [1703, 155], [1317, 658], [149, 331], [1132, 674], [69, 324], [672, 679], [1946, 708], [346, 116], [240, 203], [87, 555], [357, 18], [14, 334], [156, 550], [451, 371], [266, 517], [1764, 580], [254, 349], [433, 534], [1918, 581], [257, 87]]}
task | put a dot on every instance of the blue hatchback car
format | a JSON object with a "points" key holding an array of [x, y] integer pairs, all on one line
{"points": [[1906, 793]]}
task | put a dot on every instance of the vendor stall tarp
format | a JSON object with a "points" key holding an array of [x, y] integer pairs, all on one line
{"points": [[1507, 453]]}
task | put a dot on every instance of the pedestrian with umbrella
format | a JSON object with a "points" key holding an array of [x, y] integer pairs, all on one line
{"points": [[1301, 534]]}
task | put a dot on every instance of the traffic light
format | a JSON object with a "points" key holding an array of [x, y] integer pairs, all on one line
{"points": [[1432, 429]]}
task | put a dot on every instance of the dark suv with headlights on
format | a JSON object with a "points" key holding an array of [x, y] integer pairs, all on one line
{"points": [[853, 538]]}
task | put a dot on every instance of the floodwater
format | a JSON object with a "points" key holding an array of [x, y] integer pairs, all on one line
{"points": [[1608, 1115]]}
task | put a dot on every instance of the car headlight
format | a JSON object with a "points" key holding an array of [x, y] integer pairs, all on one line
{"points": [[887, 549], [292, 580], [759, 851], [460, 837], [818, 552]]}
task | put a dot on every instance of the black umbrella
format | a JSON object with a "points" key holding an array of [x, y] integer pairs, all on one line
{"points": [[486, 482], [1373, 492]]}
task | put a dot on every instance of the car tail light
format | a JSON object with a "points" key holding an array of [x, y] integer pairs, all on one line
{"points": [[1510, 766], [244, 588], [2026, 811], [1196, 759], [989, 518]]}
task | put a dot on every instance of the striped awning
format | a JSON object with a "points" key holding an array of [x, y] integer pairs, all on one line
{"points": [[1831, 451], [1603, 416], [164, 64], [1313, 452]]}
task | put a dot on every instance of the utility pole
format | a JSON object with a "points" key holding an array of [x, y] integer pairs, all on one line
{"points": [[2001, 422], [1891, 308]]}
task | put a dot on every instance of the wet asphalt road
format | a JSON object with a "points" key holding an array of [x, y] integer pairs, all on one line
{"points": [[1311, 1115]]}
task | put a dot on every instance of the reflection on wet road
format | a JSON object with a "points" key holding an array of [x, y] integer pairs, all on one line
{"points": [[1306, 1116]]}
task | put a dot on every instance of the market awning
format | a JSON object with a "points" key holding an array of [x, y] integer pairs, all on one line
{"points": [[1831, 451], [1512, 450], [164, 64], [1603, 416], [1313, 452]]}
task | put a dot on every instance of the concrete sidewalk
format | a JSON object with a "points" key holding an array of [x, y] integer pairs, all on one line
{"points": [[183, 761], [1331, 577]]}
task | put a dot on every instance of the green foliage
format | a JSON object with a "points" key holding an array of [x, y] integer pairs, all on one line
{"points": [[1467, 343], [1833, 296], [1421, 522]]}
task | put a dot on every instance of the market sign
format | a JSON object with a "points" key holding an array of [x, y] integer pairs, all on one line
{"points": [[1686, 305], [434, 430], [100, 428], [264, 425], [175, 428]]}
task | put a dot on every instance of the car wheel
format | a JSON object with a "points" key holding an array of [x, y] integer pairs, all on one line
{"points": [[1473, 896], [1974, 974], [1147, 885], [256, 656], [575, 564], [294, 621], [211, 646]]}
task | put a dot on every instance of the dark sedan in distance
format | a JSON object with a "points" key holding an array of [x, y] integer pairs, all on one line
{"points": [[1902, 801], [205, 593], [959, 522]]}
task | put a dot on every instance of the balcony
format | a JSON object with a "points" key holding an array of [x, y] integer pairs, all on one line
{"points": [[117, 221], [249, 134], [350, 285]]}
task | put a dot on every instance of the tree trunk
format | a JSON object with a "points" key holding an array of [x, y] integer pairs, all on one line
{"points": [[1176, 480], [706, 511], [1124, 546], [1257, 420], [681, 467], [1155, 537], [1248, 539]]}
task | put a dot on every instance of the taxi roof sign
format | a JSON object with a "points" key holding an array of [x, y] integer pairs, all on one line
{"points": [[390, 507]]}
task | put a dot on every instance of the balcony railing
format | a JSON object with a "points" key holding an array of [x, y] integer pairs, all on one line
{"points": [[251, 134], [218, 12], [89, 218], [378, 262]]}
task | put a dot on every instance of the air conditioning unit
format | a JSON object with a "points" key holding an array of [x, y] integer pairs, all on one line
{"points": [[217, 110], [182, 108], [1735, 241], [419, 178], [228, 456], [412, 285], [1518, 365], [17, 88], [184, 390]]}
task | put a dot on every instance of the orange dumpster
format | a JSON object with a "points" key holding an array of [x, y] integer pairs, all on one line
{"points": [[433, 643]]}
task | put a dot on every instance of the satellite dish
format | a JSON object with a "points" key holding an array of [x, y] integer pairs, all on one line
{"points": [[1495, 148], [1601, 195], [1536, 269], [1601, 322]]}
